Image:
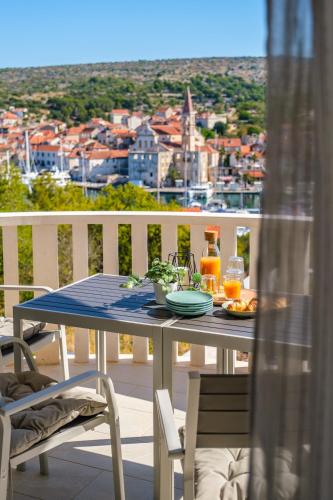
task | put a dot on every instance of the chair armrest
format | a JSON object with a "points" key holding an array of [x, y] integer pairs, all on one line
{"points": [[27, 288], [11, 340], [167, 425], [51, 392]]}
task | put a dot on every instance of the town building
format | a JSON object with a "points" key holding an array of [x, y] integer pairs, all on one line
{"points": [[158, 148], [119, 116], [98, 165], [49, 157], [149, 160], [209, 120]]}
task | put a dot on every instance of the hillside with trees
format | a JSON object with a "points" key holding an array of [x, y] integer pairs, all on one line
{"points": [[77, 93]]}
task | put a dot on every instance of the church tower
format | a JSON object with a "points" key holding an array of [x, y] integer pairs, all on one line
{"points": [[188, 123]]}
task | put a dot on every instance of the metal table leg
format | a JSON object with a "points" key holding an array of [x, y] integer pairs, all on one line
{"points": [[157, 384], [18, 332], [167, 466]]}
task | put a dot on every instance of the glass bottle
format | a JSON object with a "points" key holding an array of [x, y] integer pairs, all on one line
{"points": [[210, 262]]}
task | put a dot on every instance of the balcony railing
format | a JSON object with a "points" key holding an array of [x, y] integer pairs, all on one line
{"points": [[45, 255]]}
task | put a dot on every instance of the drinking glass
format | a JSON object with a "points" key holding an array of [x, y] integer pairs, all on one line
{"points": [[232, 283], [236, 264], [209, 283]]}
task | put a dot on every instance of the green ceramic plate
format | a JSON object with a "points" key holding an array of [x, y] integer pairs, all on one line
{"points": [[191, 306], [238, 314], [188, 310], [188, 297], [189, 313]]}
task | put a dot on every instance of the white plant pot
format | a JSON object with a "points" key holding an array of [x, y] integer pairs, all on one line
{"points": [[160, 294]]}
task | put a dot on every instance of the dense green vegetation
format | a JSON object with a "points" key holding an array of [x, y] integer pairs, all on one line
{"points": [[45, 195], [97, 96], [83, 98]]}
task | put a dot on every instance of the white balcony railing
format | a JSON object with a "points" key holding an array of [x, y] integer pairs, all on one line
{"points": [[45, 254]]}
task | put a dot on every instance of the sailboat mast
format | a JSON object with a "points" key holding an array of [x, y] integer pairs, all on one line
{"points": [[8, 164], [27, 154], [61, 158]]}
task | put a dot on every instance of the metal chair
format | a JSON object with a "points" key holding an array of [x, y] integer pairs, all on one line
{"points": [[40, 336], [110, 416], [217, 417]]}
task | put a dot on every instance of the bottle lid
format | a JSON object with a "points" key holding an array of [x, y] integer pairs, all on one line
{"points": [[211, 236]]}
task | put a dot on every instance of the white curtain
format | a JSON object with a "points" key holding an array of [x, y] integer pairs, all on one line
{"points": [[292, 413]]}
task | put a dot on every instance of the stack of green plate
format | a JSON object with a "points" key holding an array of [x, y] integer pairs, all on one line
{"points": [[189, 303]]}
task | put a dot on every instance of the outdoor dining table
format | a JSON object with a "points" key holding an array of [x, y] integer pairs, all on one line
{"points": [[99, 303]]}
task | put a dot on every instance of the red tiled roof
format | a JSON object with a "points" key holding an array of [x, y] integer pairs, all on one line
{"points": [[231, 142], [123, 132], [120, 112], [157, 119], [104, 155], [256, 173], [42, 136], [206, 149], [245, 149], [7, 115], [96, 146], [76, 130], [47, 148], [173, 123], [166, 129]]}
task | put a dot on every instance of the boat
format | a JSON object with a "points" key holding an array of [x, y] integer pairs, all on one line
{"points": [[200, 193], [61, 177], [30, 172], [216, 205]]}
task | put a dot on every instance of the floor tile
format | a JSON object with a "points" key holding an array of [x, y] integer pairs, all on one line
{"points": [[135, 489], [66, 479], [91, 449]]}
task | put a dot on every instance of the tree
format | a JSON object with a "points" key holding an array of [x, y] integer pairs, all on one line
{"points": [[227, 160], [207, 133], [220, 128], [13, 193], [254, 130], [173, 175]]}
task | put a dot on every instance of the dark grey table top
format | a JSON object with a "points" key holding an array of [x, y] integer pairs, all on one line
{"points": [[297, 315], [217, 321], [98, 297]]}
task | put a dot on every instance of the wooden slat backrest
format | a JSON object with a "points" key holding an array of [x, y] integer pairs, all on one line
{"points": [[223, 411], [217, 416]]}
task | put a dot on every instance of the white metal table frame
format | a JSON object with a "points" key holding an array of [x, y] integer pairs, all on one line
{"points": [[101, 326], [174, 332]]}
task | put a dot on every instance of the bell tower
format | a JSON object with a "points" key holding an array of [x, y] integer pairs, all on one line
{"points": [[188, 123]]}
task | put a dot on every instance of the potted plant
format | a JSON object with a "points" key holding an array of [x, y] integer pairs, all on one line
{"points": [[164, 277]]}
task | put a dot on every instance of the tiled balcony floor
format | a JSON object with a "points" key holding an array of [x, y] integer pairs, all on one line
{"points": [[81, 468]]}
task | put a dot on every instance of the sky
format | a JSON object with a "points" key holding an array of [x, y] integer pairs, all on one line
{"points": [[42, 33]]}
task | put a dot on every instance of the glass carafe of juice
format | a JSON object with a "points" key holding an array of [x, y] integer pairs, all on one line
{"points": [[210, 262]]}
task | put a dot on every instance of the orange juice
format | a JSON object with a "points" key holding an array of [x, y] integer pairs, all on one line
{"points": [[211, 265], [232, 288]]}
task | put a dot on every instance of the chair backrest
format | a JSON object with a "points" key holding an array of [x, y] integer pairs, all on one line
{"points": [[218, 411], [217, 416]]}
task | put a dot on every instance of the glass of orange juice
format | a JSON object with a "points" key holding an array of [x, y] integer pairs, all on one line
{"points": [[232, 283], [209, 283]]}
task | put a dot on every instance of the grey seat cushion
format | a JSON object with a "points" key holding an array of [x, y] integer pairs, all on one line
{"points": [[223, 474], [30, 328], [41, 421]]}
